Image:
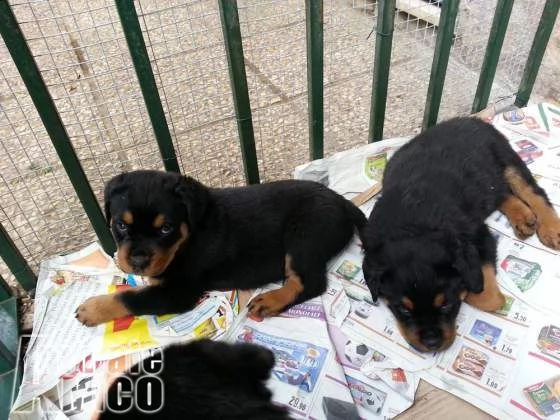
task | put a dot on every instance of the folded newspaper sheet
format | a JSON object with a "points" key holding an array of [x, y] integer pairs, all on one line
{"points": [[66, 363], [506, 363]]}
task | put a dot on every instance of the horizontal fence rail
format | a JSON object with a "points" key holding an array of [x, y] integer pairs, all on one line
{"points": [[231, 31]]}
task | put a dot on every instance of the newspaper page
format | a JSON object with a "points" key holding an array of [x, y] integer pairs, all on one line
{"points": [[309, 378], [60, 345]]}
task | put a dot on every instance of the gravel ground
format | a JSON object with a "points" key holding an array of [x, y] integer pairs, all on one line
{"points": [[81, 51]]}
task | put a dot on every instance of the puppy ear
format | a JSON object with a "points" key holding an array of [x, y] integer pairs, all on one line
{"points": [[255, 360], [467, 263], [194, 197], [114, 184], [373, 275]]}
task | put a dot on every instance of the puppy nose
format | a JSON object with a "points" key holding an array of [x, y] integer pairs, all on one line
{"points": [[139, 262], [432, 340]]}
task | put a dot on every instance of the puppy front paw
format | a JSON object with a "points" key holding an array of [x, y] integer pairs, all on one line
{"points": [[99, 309], [488, 302], [524, 225], [267, 304], [549, 232]]}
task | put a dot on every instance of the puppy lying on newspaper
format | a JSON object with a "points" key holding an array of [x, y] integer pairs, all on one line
{"points": [[427, 247]]}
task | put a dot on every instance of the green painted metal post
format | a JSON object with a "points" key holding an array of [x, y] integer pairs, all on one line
{"points": [[536, 54], [492, 54], [147, 81], [442, 51], [5, 290], [23, 59], [382, 63], [236, 62], [15, 261], [314, 35]]}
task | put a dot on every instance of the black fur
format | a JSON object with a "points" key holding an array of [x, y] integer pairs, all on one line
{"points": [[427, 235], [238, 237], [201, 380]]}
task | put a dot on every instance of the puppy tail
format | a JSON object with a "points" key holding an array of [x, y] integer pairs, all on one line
{"points": [[358, 218]]}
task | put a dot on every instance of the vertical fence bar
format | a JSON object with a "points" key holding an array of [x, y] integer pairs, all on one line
{"points": [[382, 64], [536, 54], [492, 54], [23, 59], [15, 261], [314, 35], [444, 41], [5, 290], [234, 50], [147, 81]]}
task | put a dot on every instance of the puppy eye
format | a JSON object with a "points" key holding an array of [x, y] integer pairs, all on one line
{"points": [[122, 226], [404, 311], [166, 229], [448, 307]]}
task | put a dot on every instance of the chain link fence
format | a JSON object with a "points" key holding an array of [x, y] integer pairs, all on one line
{"points": [[81, 51]]}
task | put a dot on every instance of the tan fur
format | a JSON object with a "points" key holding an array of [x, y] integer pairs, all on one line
{"points": [[128, 218], [548, 229], [439, 300], [158, 221], [160, 260], [520, 216], [271, 303], [99, 309], [407, 303], [491, 298]]}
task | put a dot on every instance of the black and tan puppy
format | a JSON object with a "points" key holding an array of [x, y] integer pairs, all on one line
{"points": [[200, 380], [427, 244], [189, 239]]}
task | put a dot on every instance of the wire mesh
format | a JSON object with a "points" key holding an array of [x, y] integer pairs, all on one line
{"points": [[275, 52], [185, 44], [83, 57]]}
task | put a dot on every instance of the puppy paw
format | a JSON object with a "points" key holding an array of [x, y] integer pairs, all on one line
{"points": [[524, 223], [266, 304], [99, 309], [488, 302], [549, 232]]}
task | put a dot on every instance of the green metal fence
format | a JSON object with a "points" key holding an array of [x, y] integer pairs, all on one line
{"points": [[138, 21]]}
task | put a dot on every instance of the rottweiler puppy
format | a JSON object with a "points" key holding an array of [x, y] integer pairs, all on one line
{"points": [[189, 239], [200, 380], [427, 247]]}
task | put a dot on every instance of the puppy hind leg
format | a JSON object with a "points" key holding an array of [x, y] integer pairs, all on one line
{"points": [[491, 298], [273, 302], [520, 216], [305, 279], [525, 187], [311, 267]]}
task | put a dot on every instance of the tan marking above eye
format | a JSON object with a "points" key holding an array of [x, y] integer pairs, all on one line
{"points": [[127, 217], [158, 221], [439, 300], [407, 303]]}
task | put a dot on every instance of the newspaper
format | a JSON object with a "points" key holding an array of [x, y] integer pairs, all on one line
{"points": [[506, 363], [320, 375], [64, 358]]}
